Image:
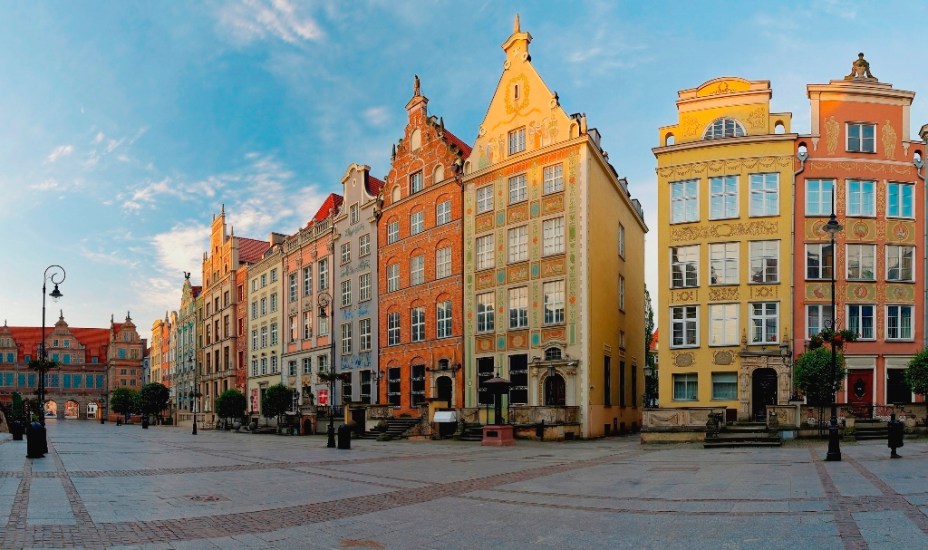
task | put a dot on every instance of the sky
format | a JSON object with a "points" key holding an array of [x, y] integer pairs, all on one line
{"points": [[124, 126]]}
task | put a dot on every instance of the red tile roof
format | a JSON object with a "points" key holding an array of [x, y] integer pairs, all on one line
{"points": [[654, 339], [332, 201], [94, 340], [465, 148], [374, 185], [251, 250]]}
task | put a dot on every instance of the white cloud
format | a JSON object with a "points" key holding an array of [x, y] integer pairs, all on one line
{"points": [[377, 116], [108, 258], [50, 184], [258, 19], [60, 151], [99, 137], [181, 248]]}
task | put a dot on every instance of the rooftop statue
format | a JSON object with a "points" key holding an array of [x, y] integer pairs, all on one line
{"points": [[860, 69]]}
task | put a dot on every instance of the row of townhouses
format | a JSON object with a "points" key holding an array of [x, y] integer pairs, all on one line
{"points": [[519, 256]]}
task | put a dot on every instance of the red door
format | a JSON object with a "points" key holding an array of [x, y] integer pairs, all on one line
{"points": [[860, 392]]}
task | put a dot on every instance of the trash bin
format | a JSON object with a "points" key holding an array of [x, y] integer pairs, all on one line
{"points": [[144, 422], [344, 437], [895, 431], [17, 429], [35, 445]]}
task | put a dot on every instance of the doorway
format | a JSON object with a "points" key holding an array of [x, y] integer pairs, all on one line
{"points": [[555, 394], [443, 390], [763, 392], [860, 392]]}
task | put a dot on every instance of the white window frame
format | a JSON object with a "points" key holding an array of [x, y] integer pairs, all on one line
{"points": [[724, 263], [821, 313], [393, 328], [896, 310], [346, 253], [858, 253], [346, 338], [895, 254], [825, 269], [553, 292], [416, 182], [393, 232], [904, 194], [684, 266], [684, 201], [687, 323], [364, 333], [518, 244], [765, 194], [355, 213], [416, 222], [724, 324], [860, 143], [443, 212], [364, 245], [552, 231], [763, 321], [323, 274], [308, 280], [416, 270], [346, 293], [822, 205], [861, 198], [486, 312], [855, 316], [364, 287], [518, 307], [517, 140], [553, 178], [485, 254], [485, 199], [417, 324], [443, 262], [690, 385], [393, 277], [518, 188], [759, 254], [621, 241], [443, 319], [723, 197]]}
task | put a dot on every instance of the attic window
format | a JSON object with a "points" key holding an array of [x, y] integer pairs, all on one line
{"points": [[724, 128]]}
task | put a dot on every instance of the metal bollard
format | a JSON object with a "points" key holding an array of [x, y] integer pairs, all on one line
{"points": [[895, 429], [344, 437]]}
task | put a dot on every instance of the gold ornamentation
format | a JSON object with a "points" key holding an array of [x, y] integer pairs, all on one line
{"points": [[484, 222], [552, 268], [486, 343], [518, 340], [832, 129], [685, 295], [889, 140], [689, 126], [754, 228], [764, 291], [722, 357], [758, 118], [683, 359], [723, 294], [518, 213], [552, 203], [518, 273]]}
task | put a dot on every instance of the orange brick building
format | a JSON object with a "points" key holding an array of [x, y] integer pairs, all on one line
{"points": [[420, 266]]}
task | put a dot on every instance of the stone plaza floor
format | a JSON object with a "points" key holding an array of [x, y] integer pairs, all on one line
{"points": [[108, 486]]}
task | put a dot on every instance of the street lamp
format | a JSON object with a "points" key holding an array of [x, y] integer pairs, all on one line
{"points": [[195, 394], [834, 448], [324, 299], [57, 276], [648, 382]]}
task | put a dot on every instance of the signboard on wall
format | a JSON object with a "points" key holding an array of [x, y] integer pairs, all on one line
{"points": [[323, 397]]}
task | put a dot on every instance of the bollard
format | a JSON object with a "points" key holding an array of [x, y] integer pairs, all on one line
{"points": [[895, 429], [34, 443], [344, 437], [17, 429]]}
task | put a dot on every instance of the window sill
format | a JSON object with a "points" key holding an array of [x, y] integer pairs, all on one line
{"points": [[691, 346], [769, 282]]}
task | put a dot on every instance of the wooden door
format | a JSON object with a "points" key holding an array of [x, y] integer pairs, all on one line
{"points": [[860, 392]]}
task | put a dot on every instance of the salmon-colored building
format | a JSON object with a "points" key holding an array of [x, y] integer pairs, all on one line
{"points": [[860, 162], [420, 266]]}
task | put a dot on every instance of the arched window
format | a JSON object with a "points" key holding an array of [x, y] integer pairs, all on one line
{"points": [[723, 128], [552, 354], [555, 394]]}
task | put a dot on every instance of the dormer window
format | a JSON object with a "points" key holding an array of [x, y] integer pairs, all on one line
{"points": [[552, 354], [724, 128], [861, 138]]}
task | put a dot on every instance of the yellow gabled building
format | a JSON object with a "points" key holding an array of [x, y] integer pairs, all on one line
{"points": [[725, 190]]}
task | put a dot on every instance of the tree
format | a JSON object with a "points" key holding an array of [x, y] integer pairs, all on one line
{"points": [[813, 375], [230, 404], [650, 360], [123, 401], [18, 410], [276, 401], [916, 375], [153, 398]]}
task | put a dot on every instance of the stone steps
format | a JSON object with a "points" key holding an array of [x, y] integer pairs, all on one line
{"points": [[743, 434], [864, 431]]}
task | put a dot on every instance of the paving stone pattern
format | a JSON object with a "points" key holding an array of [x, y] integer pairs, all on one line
{"points": [[107, 486]]}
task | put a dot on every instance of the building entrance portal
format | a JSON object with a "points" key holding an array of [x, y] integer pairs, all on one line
{"points": [[71, 408], [443, 389], [555, 391], [763, 393], [51, 409]]}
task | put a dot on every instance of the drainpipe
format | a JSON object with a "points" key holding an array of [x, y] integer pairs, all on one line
{"points": [[803, 156], [919, 164]]}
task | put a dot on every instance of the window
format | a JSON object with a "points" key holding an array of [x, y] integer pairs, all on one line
{"points": [[323, 274], [723, 128], [684, 266], [355, 214], [364, 245], [323, 326], [484, 373], [518, 244], [816, 316], [517, 140], [366, 387], [723, 197], [273, 280], [263, 282], [554, 302], [364, 332], [273, 309], [723, 263], [899, 265], [765, 194], [621, 241], [394, 386], [765, 322], [553, 179], [764, 261], [364, 284], [291, 368], [861, 198], [861, 138], [393, 329], [723, 324], [518, 307], [818, 197], [417, 324], [263, 311], [553, 236], [607, 381], [346, 338], [415, 182], [307, 365], [292, 327], [274, 364], [860, 320], [346, 293], [443, 317], [323, 363], [725, 386], [518, 379], [900, 198], [346, 253], [685, 387], [621, 293], [683, 202], [416, 223], [393, 232], [307, 326], [254, 367], [517, 190], [274, 336], [443, 262], [308, 280], [417, 270], [486, 312], [254, 315], [263, 337], [861, 262], [898, 322], [820, 260], [417, 384], [485, 199], [393, 277], [254, 340], [485, 252], [443, 212], [684, 326], [292, 279]]}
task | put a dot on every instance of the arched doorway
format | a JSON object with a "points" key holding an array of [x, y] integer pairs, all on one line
{"points": [[71, 408], [92, 409], [51, 409], [555, 392], [443, 389], [763, 392]]}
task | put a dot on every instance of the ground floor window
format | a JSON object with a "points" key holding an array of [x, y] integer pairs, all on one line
{"points": [[518, 379], [685, 387], [724, 386], [394, 386], [484, 373], [897, 391], [366, 386], [417, 385]]}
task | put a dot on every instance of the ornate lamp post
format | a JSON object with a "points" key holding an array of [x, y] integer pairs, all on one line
{"points": [[195, 394], [648, 382], [834, 447], [57, 276], [324, 300]]}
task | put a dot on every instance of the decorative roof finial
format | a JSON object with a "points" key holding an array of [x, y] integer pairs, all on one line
{"points": [[416, 89], [61, 315], [128, 316], [860, 69], [515, 25]]}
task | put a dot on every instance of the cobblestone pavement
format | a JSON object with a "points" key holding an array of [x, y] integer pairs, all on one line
{"points": [[108, 486]]}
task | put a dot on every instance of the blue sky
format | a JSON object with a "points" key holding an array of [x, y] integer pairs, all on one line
{"points": [[125, 125]]}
